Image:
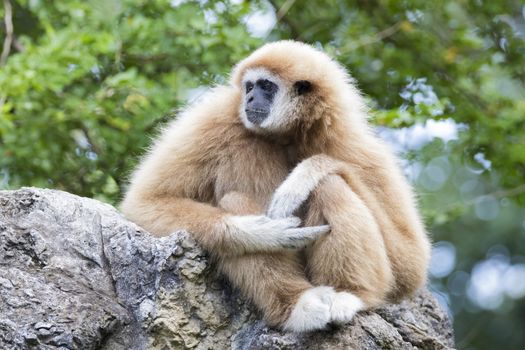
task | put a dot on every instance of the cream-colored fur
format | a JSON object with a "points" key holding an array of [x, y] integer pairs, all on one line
{"points": [[215, 174]]}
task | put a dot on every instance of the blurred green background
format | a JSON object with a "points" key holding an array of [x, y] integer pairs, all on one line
{"points": [[84, 86]]}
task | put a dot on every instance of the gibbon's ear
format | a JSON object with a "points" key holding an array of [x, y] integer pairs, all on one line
{"points": [[302, 87]]}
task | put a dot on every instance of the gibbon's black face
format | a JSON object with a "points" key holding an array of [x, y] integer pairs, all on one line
{"points": [[271, 105], [259, 98]]}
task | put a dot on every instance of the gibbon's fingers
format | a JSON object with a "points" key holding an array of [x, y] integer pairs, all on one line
{"points": [[254, 233], [301, 236]]}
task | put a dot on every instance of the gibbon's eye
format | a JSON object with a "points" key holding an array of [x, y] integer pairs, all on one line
{"points": [[249, 86], [302, 87], [267, 85]]}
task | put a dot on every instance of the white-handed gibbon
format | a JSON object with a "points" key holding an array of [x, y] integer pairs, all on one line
{"points": [[279, 177]]}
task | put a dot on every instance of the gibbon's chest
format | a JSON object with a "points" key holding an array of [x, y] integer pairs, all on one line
{"points": [[252, 167]]}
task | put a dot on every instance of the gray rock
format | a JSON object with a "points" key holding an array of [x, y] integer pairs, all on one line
{"points": [[74, 274]]}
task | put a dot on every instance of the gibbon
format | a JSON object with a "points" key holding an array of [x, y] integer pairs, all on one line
{"points": [[279, 177]]}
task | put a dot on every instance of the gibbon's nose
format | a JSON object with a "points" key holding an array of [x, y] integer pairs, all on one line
{"points": [[258, 105]]}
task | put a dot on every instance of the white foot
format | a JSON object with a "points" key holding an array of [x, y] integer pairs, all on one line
{"points": [[312, 310], [344, 307]]}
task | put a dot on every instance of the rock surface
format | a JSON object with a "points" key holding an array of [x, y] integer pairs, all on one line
{"points": [[74, 274]]}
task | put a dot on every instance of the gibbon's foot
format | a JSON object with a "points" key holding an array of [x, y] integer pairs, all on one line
{"points": [[344, 307], [312, 310]]}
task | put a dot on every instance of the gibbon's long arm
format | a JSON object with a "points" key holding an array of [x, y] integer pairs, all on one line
{"points": [[396, 200], [180, 169], [216, 230]]}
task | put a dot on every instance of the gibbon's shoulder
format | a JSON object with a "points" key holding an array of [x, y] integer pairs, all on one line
{"points": [[210, 119], [218, 104]]}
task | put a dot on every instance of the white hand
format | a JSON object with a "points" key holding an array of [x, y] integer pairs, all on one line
{"points": [[259, 232]]}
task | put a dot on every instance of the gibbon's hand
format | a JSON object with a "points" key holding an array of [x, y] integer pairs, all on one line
{"points": [[261, 233]]}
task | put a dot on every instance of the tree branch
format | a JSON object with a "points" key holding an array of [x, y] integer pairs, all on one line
{"points": [[281, 16], [385, 33], [284, 9], [8, 20]]}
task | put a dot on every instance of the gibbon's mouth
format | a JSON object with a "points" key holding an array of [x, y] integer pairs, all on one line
{"points": [[256, 116]]}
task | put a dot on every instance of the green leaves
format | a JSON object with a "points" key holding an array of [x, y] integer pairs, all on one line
{"points": [[82, 100]]}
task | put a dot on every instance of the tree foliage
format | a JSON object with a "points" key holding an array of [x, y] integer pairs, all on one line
{"points": [[86, 85], [86, 92]]}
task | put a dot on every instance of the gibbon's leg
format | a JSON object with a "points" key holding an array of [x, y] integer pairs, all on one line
{"points": [[352, 258], [275, 282], [404, 236]]}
